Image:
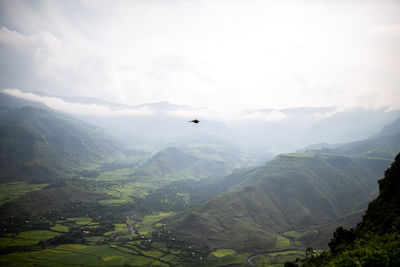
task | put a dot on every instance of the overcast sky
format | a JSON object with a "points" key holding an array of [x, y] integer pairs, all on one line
{"points": [[226, 54]]}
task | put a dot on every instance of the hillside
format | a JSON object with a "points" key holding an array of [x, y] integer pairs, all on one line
{"points": [[195, 162], [375, 153], [390, 129], [376, 239], [38, 145], [51, 199], [10, 101], [293, 190], [384, 144], [349, 126], [383, 214]]}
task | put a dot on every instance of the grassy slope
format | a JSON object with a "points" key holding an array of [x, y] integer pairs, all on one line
{"points": [[192, 162], [294, 190], [38, 145], [48, 199], [376, 239]]}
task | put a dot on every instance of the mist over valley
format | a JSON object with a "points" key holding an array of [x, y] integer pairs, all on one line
{"points": [[199, 133]]}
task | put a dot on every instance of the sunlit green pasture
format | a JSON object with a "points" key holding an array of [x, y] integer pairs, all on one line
{"points": [[223, 252], [160, 246], [11, 191], [152, 253], [122, 188], [236, 259], [282, 243], [27, 238], [60, 228], [122, 192], [75, 255], [172, 259], [80, 220], [119, 229], [117, 174], [92, 240], [148, 222], [277, 258]]}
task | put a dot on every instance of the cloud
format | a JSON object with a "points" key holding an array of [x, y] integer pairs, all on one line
{"points": [[42, 41], [79, 108], [228, 115], [216, 114], [42, 61], [391, 30], [234, 55]]}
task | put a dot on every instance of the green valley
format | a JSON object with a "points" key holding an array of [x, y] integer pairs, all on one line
{"points": [[291, 191], [71, 193]]}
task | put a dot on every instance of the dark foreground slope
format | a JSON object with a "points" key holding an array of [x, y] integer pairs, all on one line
{"points": [[41, 145], [383, 214], [291, 191]]}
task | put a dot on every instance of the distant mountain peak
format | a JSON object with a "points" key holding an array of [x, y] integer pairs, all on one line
{"points": [[390, 129]]}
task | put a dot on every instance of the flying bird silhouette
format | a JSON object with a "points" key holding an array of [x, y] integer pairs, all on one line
{"points": [[195, 121]]}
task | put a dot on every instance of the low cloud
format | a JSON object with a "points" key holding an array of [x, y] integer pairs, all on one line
{"points": [[79, 108], [227, 115], [212, 113]]}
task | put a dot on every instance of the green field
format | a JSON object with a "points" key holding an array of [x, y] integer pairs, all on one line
{"points": [[92, 240], [84, 255], [118, 174], [298, 235], [74, 254], [119, 229], [11, 191], [123, 191], [148, 222], [113, 248], [282, 243], [277, 258], [298, 155], [80, 220], [27, 238], [60, 228], [223, 252], [237, 259]]}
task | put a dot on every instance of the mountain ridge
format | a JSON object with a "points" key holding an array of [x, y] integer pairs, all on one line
{"points": [[291, 192], [38, 144]]}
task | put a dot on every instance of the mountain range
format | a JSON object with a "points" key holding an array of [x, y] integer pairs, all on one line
{"points": [[39, 144], [228, 189], [375, 240], [157, 126], [290, 192]]}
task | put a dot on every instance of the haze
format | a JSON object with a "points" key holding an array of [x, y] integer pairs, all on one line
{"points": [[225, 55], [294, 159]]}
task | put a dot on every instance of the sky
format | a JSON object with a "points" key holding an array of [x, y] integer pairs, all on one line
{"points": [[217, 54]]}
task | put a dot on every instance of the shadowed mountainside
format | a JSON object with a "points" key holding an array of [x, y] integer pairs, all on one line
{"points": [[37, 144], [376, 239], [293, 190]]}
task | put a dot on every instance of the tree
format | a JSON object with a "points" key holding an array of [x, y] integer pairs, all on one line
{"points": [[342, 239]]}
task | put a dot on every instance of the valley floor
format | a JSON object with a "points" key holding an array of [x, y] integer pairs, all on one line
{"points": [[131, 236]]}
